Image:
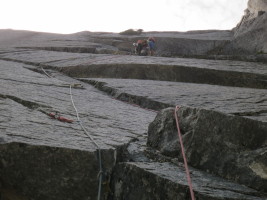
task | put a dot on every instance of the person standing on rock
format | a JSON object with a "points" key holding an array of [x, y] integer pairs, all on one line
{"points": [[151, 45]]}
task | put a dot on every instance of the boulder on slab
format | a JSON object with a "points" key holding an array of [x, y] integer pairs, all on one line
{"points": [[146, 180], [230, 146]]}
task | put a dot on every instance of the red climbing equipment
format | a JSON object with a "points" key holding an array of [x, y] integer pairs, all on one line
{"points": [[59, 118], [183, 153]]}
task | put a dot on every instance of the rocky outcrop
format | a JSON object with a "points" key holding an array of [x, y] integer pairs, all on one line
{"points": [[255, 9], [232, 147], [250, 35]]}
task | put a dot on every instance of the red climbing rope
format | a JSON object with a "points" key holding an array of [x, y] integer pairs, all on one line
{"points": [[183, 153]]}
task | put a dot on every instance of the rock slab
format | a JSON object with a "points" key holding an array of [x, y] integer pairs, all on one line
{"points": [[150, 181]]}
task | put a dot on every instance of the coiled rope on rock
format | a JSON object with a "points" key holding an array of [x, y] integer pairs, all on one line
{"points": [[183, 153]]}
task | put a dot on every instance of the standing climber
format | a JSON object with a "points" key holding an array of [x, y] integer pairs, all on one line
{"points": [[151, 45]]}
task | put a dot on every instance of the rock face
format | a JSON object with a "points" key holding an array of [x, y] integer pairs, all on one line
{"points": [[117, 98], [35, 147], [256, 7], [250, 35], [43, 172], [44, 158], [193, 44], [248, 38], [156, 95], [230, 146], [162, 180]]}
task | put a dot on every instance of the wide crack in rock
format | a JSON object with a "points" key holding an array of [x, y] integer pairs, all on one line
{"points": [[227, 73], [157, 95], [28, 104]]}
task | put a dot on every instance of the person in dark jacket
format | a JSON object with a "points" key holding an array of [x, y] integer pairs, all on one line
{"points": [[151, 44]]}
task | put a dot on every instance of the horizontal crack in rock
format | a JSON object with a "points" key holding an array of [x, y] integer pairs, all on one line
{"points": [[256, 113], [28, 104], [141, 101]]}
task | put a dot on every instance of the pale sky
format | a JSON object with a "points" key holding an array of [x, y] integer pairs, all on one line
{"points": [[70, 16]]}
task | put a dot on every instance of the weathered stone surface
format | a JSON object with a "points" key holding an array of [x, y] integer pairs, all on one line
{"points": [[20, 84], [31, 94], [241, 74], [157, 95], [63, 59], [35, 147], [250, 34], [44, 172], [146, 180], [255, 6], [211, 44], [43, 158], [186, 46], [226, 145], [168, 43], [146, 174]]}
